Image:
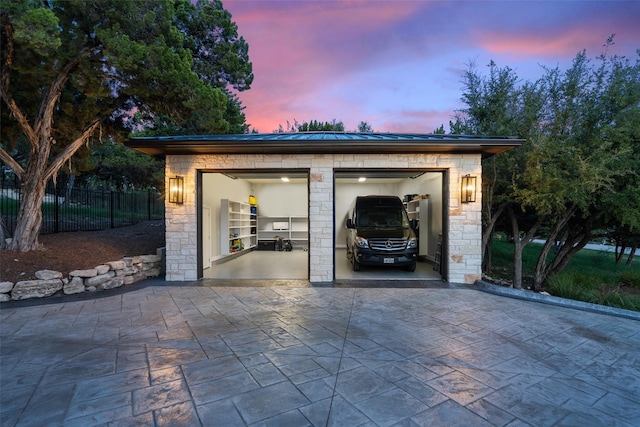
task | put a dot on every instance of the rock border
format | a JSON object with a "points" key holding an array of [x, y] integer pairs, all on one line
{"points": [[110, 275]]}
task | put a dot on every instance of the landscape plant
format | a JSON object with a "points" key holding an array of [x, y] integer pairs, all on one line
{"points": [[576, 177], [74, 73], [590, 276]]}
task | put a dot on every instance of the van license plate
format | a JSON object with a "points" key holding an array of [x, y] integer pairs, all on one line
{"points": [[389, 260]]}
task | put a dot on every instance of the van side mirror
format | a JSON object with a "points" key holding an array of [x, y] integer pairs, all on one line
{"points": [[350, 223], [413, 223]]}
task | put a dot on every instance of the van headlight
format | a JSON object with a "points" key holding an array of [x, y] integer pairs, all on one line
{"points": [[412, 243], [361, 242]]}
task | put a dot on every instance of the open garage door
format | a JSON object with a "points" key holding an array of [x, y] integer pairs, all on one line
{"points": [[254, 225], [422, 193]]}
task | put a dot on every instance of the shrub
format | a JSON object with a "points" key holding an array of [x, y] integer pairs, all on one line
{"points": [[630, 278], [613, 298], [565, 286]]}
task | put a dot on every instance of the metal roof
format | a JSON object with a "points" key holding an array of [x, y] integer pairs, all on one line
{"points": [[323, 143]]}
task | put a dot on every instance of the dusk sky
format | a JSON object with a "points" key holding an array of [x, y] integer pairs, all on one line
{"points": [[398, 65]]}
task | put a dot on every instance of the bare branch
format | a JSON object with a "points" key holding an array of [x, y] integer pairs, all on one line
{"points": [[4, 87], [45, 113], [70, 149], [11, 163]]}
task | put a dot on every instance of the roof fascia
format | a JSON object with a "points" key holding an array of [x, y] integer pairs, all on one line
{"points": [[161, 146]]}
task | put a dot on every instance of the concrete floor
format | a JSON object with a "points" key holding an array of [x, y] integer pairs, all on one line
{"points": [[159, 353], [294, 265]]}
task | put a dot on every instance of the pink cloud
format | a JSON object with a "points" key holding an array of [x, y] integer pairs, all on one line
{"points": [[397, 65], [562, 45]]}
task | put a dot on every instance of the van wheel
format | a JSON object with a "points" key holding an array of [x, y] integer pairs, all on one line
{"points": [[411, 267], [356, 264]]}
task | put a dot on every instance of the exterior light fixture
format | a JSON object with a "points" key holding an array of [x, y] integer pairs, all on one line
{"points": [[284, 179], [362, 179], [176, 190], [468, 189]]}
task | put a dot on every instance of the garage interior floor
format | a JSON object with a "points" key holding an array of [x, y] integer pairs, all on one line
{"points": [[295, 265]]}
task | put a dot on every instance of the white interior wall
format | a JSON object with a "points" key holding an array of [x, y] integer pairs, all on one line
{"points": [[216, 186], [282, 199]]}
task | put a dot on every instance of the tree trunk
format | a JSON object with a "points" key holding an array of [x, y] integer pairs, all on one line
{"points": [[3, 233], [487, 233], [29, 221], [519, 244], [69, 189], [619, 251], [632, 253], [517, 249], [487, 263], [576, 238]]}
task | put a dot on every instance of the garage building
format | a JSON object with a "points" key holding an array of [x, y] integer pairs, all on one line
{"points": [[234, 200]]}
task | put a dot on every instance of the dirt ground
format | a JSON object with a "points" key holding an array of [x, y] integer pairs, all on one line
{"points": [[65, 252]]}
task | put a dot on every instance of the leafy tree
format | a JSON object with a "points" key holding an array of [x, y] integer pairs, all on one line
{"points": [[365, 127], [312, 126], [582, 173], [74, 71], [117, 167], [578, 171], [498, 105], [439, 131]]}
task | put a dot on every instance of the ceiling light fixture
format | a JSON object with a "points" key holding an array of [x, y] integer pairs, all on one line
{"points": [[284, 179], [362, 179]]}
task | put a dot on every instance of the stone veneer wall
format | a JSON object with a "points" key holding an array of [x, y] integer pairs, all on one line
{"points": [[110, 275], [465, 228]]}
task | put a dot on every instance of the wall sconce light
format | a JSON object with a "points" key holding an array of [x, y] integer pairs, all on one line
{"points": [[176, 190], [468, 189]]}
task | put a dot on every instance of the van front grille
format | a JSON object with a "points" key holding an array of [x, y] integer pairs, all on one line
{"points": [[387, 244]]}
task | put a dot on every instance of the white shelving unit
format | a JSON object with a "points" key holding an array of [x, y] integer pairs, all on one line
{"points": [[419, 210], [294, 228], [237, 222]]}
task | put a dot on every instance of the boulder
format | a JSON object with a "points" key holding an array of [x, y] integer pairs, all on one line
{"points": [[75, 286], [129, 271], [5, 297], [153, 272], [95, 281], [48, 274], [116, 282], [133, 260], [117, 265], [150, 258], [102, 269], [91, 272], [5, 287], [35, 289]]}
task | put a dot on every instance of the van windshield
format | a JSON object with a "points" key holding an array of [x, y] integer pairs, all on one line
{"points": [[382, 216]]}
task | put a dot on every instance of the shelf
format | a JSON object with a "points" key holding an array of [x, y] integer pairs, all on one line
{"points": [[418, 209], [293, 228], [237, 220]]}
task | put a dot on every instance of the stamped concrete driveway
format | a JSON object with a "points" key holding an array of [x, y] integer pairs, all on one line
{"points": [[192, 355]]}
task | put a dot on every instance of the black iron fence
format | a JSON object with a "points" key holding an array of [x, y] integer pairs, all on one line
{"points": [[82, 209]]}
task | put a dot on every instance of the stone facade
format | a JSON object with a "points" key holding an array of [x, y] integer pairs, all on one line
{"points": [[464, 220], [110, 275]]}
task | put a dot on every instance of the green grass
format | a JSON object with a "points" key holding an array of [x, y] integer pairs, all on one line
{"points": [[590, 276]]}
